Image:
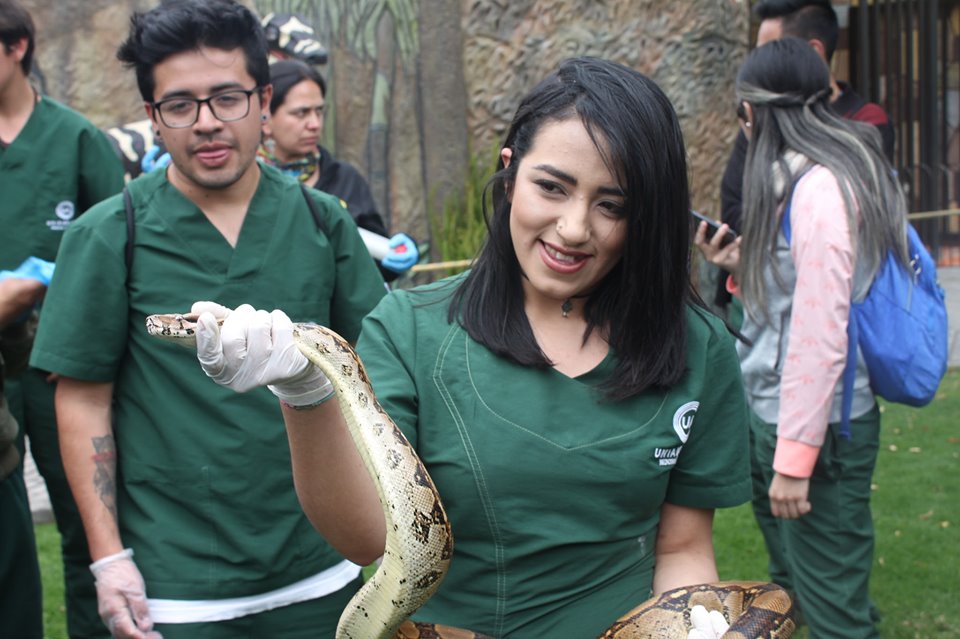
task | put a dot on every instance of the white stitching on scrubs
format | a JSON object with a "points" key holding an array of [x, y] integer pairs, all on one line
{"points": [[485, 500]]}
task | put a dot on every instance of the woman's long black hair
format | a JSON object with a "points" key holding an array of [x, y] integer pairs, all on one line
{"points": [[640, 306]]}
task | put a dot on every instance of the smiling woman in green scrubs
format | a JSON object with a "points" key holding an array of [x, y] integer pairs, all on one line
{"points": [[581, 414]]}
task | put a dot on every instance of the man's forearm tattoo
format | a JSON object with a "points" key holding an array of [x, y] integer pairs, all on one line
{"points": [[105, 475]]}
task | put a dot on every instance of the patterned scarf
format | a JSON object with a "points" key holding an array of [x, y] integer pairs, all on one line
{"points": [[301, 169]]}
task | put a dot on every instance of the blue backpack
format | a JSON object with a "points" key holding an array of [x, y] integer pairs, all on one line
{"points": [[901, 328]]}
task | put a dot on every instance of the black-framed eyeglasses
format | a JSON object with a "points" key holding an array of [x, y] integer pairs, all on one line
{"points": [[228, 106]]}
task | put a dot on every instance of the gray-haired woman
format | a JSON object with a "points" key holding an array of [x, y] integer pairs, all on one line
{"points": [[846, 212]]}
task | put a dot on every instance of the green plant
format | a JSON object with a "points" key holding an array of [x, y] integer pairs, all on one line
{"points": [[458, 229], [51, 574]]}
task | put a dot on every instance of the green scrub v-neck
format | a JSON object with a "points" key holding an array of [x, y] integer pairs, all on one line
{"points": [[205, 491], [553, 492]]}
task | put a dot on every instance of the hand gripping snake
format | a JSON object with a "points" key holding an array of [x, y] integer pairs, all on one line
{"points": [[419, 542]]}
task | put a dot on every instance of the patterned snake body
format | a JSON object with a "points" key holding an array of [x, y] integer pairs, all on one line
{"points": [[755, 610], [419, 539], [420, 542]]}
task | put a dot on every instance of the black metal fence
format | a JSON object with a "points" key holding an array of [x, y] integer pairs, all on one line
{"points": [[905, 56]]}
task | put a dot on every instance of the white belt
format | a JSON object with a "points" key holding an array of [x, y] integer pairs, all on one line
{"points": [[194, 611]]}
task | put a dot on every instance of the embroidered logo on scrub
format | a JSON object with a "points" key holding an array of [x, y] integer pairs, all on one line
{"points": [[683, 420], [65, 212], [682, 423]]}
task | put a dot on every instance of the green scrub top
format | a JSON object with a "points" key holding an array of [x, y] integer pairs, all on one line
{"points": [[205, 492], [553, 493], [56, 168]]}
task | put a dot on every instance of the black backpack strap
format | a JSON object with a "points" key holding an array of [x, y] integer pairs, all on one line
{"points": [[313, 208], [131, 227]]}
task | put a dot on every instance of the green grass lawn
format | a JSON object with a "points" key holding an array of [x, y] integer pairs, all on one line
{"points": [[51, 572], [916, 507]]}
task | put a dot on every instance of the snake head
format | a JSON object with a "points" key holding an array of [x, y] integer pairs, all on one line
{"points": [[174, 327]]}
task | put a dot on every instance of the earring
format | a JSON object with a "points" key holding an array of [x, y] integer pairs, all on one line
{"points": [[746, 124], [263, 117]]}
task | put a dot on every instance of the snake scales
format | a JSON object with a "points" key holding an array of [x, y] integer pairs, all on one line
{"points": [[419, 542]]}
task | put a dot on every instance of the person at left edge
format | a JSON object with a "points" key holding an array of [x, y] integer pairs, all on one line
{"points": [[202, 534], [21, 597], [54, 165]]}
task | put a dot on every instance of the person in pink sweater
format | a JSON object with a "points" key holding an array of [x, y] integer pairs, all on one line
{"points": [[846, 212]]}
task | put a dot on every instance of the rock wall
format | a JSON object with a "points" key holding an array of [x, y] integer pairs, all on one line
{"points": [[415, 86], [75, 60], [692, 49]]}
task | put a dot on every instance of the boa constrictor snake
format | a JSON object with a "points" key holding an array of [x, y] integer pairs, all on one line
{"points": [[419, 542]]}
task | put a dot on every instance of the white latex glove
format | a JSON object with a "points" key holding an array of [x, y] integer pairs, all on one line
{"points": [[706, 625], [255, 348], [122, 597]]}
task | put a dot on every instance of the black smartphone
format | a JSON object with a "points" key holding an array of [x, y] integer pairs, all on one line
{"points": [[712, 227]]}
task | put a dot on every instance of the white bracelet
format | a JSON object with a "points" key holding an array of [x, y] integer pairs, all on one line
{"points": [[306, 406], [126, 553], [314, 396]]}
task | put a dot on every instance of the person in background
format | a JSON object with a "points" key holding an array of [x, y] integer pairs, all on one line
{"points": [[291, 142], [580, 412], [814, 21], [185, 488], [21, 595], [846, 213], [290, 37], [54, 165]]}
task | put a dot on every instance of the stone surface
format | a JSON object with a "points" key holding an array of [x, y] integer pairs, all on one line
{"points": [[76, 56], [691, 49], [415, 86]]}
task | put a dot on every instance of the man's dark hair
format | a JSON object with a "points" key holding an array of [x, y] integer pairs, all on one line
{"points": [[805, 19], [176, 26], [15, 25]]}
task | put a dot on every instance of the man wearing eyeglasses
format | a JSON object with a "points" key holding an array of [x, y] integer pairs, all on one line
{"points": [[54, 165], [185, 488]]}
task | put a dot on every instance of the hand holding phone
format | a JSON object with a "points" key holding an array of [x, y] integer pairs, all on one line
{"points": [[712, 227]]}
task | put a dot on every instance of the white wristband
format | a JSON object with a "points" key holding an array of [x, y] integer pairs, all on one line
{"points": [[95, 567], [298, 397]]}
